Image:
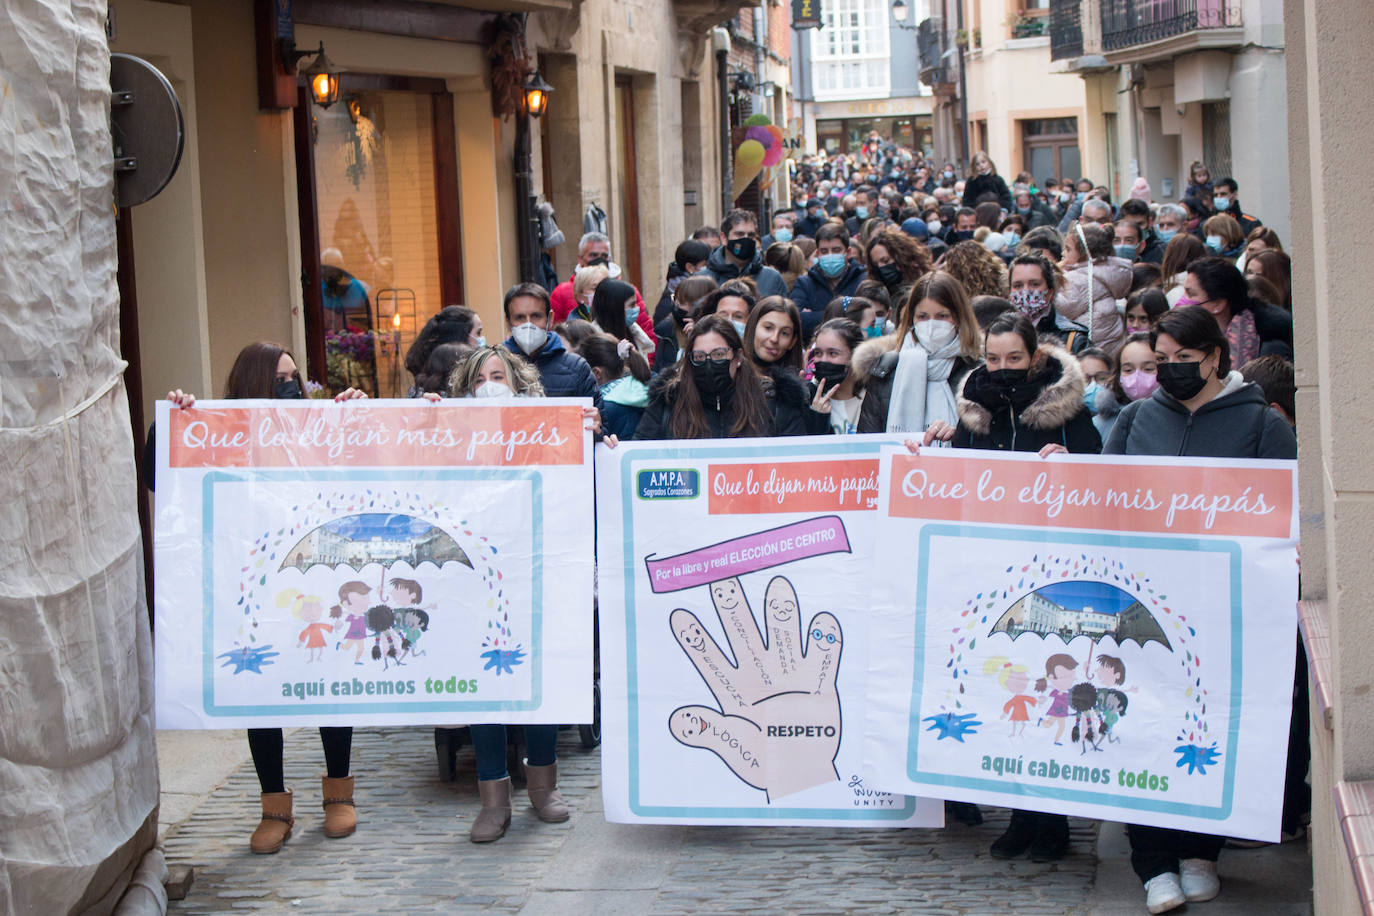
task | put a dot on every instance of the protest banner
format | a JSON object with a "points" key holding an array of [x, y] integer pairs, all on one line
{"points": [[734, 633], [1109, 638], [373, 563]]}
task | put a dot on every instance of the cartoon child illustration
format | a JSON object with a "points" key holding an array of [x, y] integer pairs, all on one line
{"points": [[414, 624], [310, 609], [381, 620], [1014, 679], [1059, 669], [1110, 671], [353, 599], [1083, 699], [1112, 704]]}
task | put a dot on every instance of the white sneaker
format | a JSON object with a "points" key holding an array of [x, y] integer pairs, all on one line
{"points": [[1163, 893], [1199, 879]]}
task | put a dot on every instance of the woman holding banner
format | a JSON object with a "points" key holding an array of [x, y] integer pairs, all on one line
{"points": [[714, 392], [1027, 397], [267, 370], [1203, 409]]}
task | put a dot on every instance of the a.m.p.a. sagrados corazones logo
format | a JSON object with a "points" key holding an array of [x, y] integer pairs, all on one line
{"points": [[668, 483]]}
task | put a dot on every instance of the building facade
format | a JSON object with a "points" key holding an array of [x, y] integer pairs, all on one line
{"points": [[856, 74], [1170, 82]]}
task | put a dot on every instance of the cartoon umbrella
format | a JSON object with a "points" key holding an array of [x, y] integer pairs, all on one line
{"points": [[1073, 608], [375, 537]]}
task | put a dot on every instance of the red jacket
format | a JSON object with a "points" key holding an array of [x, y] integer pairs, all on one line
{"points": [[563, 303]]}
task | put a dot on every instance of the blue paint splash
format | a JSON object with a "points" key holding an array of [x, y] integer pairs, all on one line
{"points": [[953, 725], [503, 660], [249, 658], [1196, 758]]}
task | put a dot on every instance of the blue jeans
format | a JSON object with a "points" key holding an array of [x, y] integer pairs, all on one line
{"points": [[489, 745]]}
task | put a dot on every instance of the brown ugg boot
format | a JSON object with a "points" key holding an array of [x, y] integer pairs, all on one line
{"points": [[340, 818], [542, 783], [491, 822], [275, 826]]}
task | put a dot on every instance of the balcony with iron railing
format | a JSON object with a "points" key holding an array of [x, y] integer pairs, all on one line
{"points": [[931, 44], [1066, 29], [1130, 23]]}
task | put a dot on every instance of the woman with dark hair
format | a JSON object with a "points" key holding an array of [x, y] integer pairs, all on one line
{"points": [[1143, 308], [443, 359], [624, 378], [1182, 250], [1276, 267], [268, 370], [690, 257], [838, 397], [911, 376], [895, 259], [1201, 409], [615, 311], [714, 392], [773, 337], [1026, 397], [451, 324], [1133, 378], [1252, 328], [674, 327], [1034, 280]]}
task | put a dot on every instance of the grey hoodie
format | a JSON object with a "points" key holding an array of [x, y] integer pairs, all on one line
{"points": [[1238, 423]]}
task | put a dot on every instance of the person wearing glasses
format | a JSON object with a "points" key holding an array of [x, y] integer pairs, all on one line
{"points": [[715, 392]]}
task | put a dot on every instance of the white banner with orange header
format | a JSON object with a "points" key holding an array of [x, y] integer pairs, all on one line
{"points": [[734, 577], [373, 562], [1104, 637]]}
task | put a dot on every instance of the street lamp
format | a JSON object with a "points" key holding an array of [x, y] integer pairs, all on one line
{"points": [[899, 11], [536, 95], [323, 80]]}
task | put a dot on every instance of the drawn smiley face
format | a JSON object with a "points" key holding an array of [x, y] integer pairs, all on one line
{"points": [[693, 636], [825, 633], [782, 608], [687, 724], [726, 594]]}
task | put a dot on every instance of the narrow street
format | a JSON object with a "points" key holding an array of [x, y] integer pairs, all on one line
{"points": [[411, 853]]}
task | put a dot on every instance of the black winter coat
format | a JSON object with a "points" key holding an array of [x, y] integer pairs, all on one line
{"points": [[786, 394], [1275, 328], [979, 185], [874, 363], [768, 280], [563, 374], [1238, 423], [1055, 415]]}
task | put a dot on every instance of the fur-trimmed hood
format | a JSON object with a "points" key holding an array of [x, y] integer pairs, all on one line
{"points": [[868, 353], [1059, 400]]}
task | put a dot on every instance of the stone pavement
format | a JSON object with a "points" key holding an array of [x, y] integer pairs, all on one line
{"points": [[411, 854]]}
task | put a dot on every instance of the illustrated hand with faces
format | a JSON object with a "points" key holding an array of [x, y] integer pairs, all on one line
{"points": [[778, 726]]}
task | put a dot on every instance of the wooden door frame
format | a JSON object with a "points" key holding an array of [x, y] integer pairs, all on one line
{"points": [[633, 262]]}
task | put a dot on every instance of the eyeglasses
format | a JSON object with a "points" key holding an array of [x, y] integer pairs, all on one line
{"points": [[718, 355]]}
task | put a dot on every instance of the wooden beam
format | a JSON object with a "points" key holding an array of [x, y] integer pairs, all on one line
{"points": [[407, 18]]}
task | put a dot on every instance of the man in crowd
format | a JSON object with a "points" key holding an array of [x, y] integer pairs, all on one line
{"points": [[740, 255], [594, 249]]}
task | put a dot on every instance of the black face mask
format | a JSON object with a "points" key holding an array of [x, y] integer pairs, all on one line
{"points": [[962, 235], [680, 316], [891, 275], [1183, 381], [850, 213], [287, 389], [830, 373], [1007, 378], [743, 249], [712, 378], [600, 260]]}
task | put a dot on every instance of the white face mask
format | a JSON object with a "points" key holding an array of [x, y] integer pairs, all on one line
{"points": [[933, 226], [529, 336], [934, 333], [492, 390]]}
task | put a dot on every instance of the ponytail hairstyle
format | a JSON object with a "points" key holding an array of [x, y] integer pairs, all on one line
{"points": [[613, 357], [451, 324], [753, 415]]}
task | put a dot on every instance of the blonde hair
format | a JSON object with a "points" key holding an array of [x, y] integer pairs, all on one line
{"points": [[524, 377], [586, 278], [1003, 667], [297, 600]]}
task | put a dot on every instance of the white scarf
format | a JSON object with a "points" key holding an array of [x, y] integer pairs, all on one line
{"points": [[920, 389]]}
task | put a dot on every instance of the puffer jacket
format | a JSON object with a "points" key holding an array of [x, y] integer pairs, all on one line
{"points": [[874, 366], [768, 280], [814, 290], [563, 374], [1238, 423], [786, 394], [1110, 281], [1054, 414]]}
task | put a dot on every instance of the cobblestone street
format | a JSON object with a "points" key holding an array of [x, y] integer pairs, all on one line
{"points": [[411, 853]]}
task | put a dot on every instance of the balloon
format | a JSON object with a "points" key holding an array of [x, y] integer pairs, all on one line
{"points": [[749, 155], [757, 120], [762, 135], [776, 149]]}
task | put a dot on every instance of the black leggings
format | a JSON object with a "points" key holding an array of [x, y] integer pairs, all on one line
{"points": [[266, 747]]}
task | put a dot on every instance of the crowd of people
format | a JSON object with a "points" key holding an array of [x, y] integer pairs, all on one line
{"points": [[963, 311]]}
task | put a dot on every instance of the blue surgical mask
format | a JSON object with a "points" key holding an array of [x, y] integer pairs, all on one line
{"points": [[1090, 397], [1214, 243], [481, 341], [1012, 239], [1082, 195], [831, 264], [782, 235], [631, 313], [739, 328], [1221, 203], [1125, 251], [873, 330], [1165, 235], [861, 212]]}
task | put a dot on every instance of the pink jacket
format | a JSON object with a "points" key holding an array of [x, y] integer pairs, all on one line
{"points": [[1111, 280]]}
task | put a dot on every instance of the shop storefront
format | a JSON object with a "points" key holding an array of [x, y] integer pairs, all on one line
{"points": [[842, 127]]}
